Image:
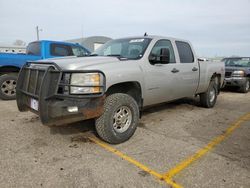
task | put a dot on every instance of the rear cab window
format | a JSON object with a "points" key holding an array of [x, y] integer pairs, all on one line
{"points": [[34, 48], [185, 52]]}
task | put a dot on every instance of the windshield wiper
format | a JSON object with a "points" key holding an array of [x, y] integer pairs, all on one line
{"points": [[118, 56], [83, 55], [115, 55], [93, 55]]}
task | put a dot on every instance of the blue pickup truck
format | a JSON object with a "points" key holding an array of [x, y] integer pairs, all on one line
{"points": [[10, 64]]}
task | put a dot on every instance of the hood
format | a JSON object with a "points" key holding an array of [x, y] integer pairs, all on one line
{"points": [[80, 63]]}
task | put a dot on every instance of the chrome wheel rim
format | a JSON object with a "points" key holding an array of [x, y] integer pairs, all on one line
{"points": [[212, 95], [122, 119], [8, 87]]}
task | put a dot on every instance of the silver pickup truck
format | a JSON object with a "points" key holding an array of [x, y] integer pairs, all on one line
{"points": [[116, 83]]}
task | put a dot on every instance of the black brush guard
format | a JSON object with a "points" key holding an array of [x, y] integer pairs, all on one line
{"points": [[44, 82]]}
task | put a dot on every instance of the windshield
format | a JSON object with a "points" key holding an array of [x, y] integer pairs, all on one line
{"points": [[130, 48], [237, 62]]}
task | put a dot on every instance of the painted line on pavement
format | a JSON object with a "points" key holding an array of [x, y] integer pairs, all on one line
{"points": [[200, 153], [134, 162]]}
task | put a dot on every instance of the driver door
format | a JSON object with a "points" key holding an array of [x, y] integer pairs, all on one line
{"points": [[161, 78]]}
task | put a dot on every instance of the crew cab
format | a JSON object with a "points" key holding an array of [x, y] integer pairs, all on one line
{"points": [[238, 73], [116, 83], [10, 63]]}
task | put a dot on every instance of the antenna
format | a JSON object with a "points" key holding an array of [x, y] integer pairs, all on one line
{"points": [[37, 32], [82, 31], [145, 34]]}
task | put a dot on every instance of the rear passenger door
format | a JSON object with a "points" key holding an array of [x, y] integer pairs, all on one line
{"points": [[189, 69]]}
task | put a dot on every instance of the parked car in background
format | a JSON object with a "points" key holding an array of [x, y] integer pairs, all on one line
{"points": [[238, 73], [10, 63], [116, 83]]}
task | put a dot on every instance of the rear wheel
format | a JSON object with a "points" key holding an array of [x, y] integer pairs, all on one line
{"points": [[245, 87], [8, 87], [209, 98], [119, 119]]}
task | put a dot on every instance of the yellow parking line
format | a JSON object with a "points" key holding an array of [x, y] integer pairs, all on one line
{"points": [[184, 164], [134, 162]]}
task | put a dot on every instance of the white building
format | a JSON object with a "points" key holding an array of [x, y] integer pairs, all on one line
{"points": [[91, 43], [12, 49]]}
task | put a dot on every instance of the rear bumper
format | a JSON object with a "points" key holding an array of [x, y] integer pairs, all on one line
{"points": [[235, 81], [53, 103]]}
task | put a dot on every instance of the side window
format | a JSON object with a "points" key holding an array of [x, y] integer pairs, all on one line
{"points": [[60, 50], [185, 52], [163, 44], [79, 52]]}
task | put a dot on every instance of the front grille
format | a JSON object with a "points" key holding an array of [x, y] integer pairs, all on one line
{"points": [[228, 74], [35, 81], [32, 78], [46, 81], [65, 80]]}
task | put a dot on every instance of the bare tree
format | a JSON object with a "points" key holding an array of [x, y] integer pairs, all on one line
{"points": [[19, 42]]}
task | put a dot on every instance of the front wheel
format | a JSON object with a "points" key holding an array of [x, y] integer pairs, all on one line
{"points": [[209, 98], [8, 87], [119, 119]]}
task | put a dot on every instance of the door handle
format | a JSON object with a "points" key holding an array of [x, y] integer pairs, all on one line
{"points": [[194, 69], [174, 70]]}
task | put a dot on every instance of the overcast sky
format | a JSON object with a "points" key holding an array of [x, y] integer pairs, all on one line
{"points": [[215, 27]]}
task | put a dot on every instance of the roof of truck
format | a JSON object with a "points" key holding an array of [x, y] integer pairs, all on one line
{"points": [[155, 37], [50, 41]]}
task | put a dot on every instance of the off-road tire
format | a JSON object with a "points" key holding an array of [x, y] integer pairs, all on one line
{"points": [[206, 100], [245, 87], [3, 79], [104, 124]]}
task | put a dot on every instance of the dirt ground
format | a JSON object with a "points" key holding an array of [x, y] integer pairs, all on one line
{"points": [[33, 155]]}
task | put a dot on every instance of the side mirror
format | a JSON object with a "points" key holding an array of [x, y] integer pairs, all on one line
{"points": [[152, 58], [163, 58], [165, 55]]}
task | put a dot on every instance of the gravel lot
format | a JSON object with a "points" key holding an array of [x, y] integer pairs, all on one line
{"points": [[33, 155]]}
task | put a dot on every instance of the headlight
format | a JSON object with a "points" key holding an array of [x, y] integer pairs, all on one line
{"points": [[238, 73], [86, 83]]}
